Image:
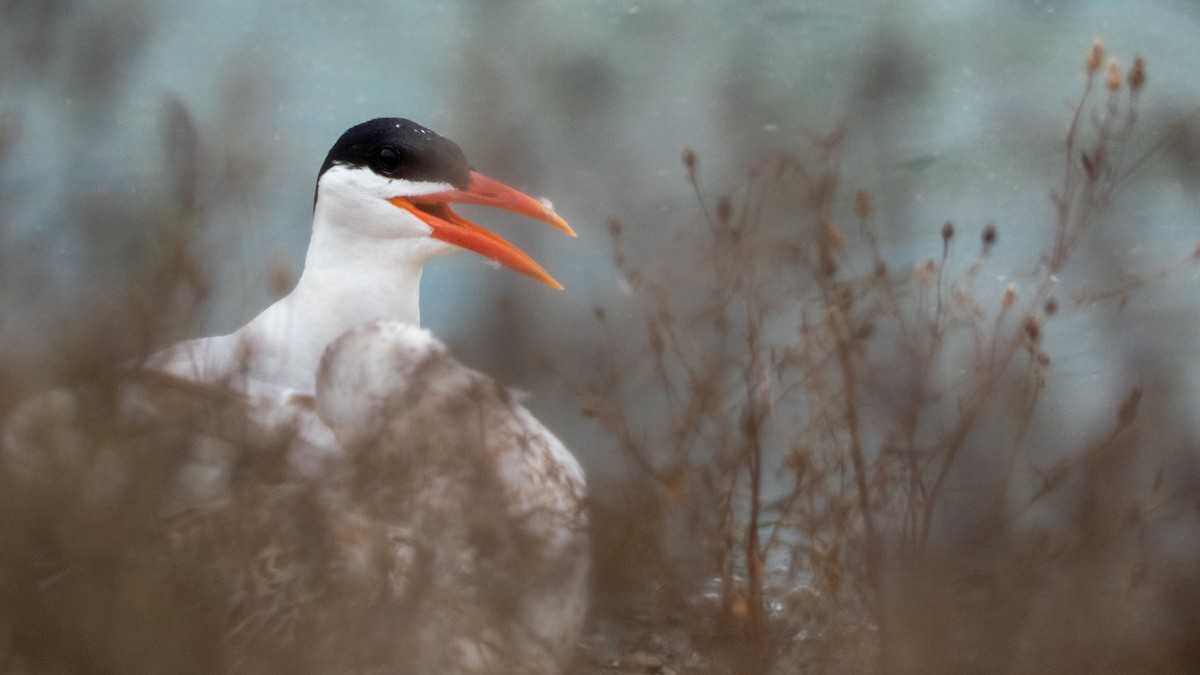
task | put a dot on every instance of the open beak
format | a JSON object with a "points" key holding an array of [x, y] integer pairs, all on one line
{"points": [[434, 210]]}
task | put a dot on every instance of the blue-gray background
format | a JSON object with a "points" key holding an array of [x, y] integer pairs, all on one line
{"points": [[955, 110]]}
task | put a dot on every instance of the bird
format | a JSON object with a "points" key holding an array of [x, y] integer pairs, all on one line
{"points": [[349, 498], [447, 535], [382, 210]]}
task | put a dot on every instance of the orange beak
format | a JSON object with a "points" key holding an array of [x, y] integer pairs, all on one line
{"points": [[434, 210]]}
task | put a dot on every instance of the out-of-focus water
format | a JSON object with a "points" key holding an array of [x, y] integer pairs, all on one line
{"points": [[955, 110]]}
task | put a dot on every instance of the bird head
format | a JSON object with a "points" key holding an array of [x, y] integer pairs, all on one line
{"points": [[392, 178]]}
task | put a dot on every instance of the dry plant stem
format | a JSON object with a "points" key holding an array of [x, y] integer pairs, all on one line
{"points": [[1107, 447], [1062, 199], [738, 275], [821, 197], [1033, 389], [1122, 292], [884, 289], [1175, 132], [1077, 206], [754, 416]]}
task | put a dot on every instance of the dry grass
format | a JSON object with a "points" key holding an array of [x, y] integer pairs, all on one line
{"points": [[866, 453], [842, 465]]}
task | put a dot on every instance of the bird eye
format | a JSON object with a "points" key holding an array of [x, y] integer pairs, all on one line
{"points": [[387, 159]]}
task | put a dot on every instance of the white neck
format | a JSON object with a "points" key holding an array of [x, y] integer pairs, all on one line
{"points": [[364, 264], [352, 275]]}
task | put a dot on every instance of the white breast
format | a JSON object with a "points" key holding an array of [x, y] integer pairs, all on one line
{"points": [[419, 516]]}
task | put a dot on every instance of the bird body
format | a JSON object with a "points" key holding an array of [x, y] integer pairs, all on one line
{"points": [[478, 491], [446, 534]]}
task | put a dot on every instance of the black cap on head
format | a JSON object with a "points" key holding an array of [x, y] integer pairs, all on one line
{"points": [[400, 148]]}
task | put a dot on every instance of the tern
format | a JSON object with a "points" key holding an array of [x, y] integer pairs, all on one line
{"points": [[423, 521]]}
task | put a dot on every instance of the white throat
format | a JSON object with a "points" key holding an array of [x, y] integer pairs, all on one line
{"points": [[364, 263]]}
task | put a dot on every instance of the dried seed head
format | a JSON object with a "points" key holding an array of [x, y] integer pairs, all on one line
{"points": [[837, 241], [1032, 328], [673, 486], [590, 410], [989, 237], [1113, 81], [862, 204], [881, 269], [828, 267], [1095, 57], [1051, 307], [1010, 296], [689, 159], [614, 227], [864, 332], [947, 231], [926, 271], [599, 313], [614, 231], [724, 209], [1137, 73], [798, 460]]}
